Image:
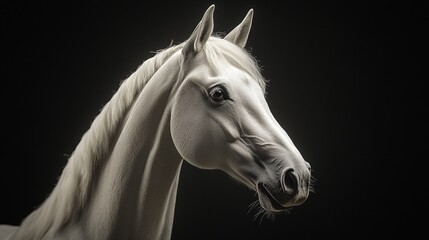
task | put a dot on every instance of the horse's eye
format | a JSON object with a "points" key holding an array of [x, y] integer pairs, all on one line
{"points": [[218, 94]]}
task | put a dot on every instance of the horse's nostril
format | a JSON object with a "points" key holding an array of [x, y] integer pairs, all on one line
{"points": [[290, 181]]}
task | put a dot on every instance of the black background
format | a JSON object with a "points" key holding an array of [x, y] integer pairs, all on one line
{"points": [[346, 83]]}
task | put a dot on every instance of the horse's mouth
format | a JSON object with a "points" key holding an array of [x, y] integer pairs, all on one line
{"points": [[268, 201]]}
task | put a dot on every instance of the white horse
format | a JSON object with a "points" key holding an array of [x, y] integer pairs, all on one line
{"points": [[202, 101]]}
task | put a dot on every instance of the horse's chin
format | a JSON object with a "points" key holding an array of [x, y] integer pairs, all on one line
{"points": [[268, 202]]}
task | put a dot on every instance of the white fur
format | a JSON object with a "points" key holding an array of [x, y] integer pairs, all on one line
{"points": [[121, 180]]}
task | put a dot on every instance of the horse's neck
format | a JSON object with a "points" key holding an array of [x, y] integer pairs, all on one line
{"points": [[133, 190], [136, 191]]}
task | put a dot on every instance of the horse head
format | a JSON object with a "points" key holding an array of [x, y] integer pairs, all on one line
{"points": [[221, 119]]}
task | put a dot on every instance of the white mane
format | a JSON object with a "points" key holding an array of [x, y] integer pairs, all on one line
{"points": [[74, 185]]}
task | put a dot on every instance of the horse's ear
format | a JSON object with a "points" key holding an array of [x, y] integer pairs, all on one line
{"points": [[240, 33], [201, 34]]}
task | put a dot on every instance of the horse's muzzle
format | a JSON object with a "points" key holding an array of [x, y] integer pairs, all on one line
{"points": [[292, 189]]}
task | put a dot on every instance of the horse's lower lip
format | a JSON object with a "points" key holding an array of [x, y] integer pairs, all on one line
{"points": [[273, 204]]}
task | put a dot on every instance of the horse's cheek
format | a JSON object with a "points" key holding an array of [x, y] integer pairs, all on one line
{"points": [[195, 137], [184, 125]]}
